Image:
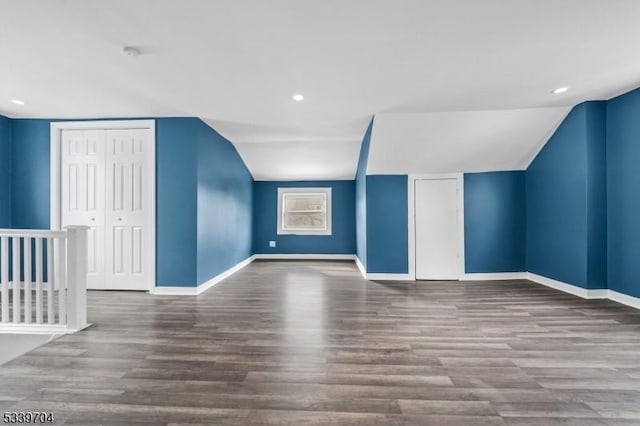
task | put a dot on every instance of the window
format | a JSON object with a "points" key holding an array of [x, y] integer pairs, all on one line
{"points": [[304, 211]]}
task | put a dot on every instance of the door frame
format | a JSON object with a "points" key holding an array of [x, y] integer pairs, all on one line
{"points": [[56, 175], [411, 198]]}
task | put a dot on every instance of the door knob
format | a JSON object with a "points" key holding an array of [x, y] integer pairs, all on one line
{"points": [[93, 219], [119, 219]]}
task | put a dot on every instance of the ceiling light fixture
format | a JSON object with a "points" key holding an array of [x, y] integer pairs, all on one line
{"points": [[17, 101], [298, 97], [131, 51], [559, 90]]}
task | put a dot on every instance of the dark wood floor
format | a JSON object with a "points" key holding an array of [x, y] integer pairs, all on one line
{"points": [[313, 343]]}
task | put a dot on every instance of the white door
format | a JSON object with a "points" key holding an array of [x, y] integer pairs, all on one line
{"points": [[128, 214], [437, 233], [107, 183], [83, 193]]}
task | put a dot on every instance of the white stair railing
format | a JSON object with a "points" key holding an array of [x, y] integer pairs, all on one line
{"points": [[43, 280]]}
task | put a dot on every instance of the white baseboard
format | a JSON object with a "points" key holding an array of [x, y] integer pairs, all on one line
{"points": [[615, 296], [226, 274], [194, 291], [174, 291], [376, 276], [304, 256], [497, 276], [624, 299], [568, 288]]}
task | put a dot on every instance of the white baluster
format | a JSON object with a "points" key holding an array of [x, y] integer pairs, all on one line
{"points": [[50, 280], [16, 279], [61, 279], [4, 246], [39, 280], [26, 244]]}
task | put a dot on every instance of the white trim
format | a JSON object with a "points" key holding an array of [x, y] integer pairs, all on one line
{"points": [[411, 194], [376, 276], [224, 275], [103, 124], [497, 276], [175, 291], [56, 176], [361, 267], [9, 328], [194, 291], [31, 233], [568, 288], [411, 226], [325, 192], [613, 295], [624, 299], [304, 256]]}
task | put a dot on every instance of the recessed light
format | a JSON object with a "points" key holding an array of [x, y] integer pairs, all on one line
{"points": [[559, 90], [17, 101], [298, 97]]}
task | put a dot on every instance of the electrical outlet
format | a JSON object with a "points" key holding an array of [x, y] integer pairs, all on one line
{"points": [[272, 243]]}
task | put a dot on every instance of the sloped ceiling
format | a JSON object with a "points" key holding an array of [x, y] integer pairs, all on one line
{"points": [[467, 141], [326, 152], [236, 64]]}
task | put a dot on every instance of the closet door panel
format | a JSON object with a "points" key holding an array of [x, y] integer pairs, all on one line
{"points": [[128, 209], [83, 193]]}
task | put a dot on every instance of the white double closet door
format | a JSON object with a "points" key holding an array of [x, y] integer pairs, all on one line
{"points": [[437, 229], [106, 185]]}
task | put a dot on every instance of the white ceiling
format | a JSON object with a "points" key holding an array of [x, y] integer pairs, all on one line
{"points": [[465, 141], [236, 64]]}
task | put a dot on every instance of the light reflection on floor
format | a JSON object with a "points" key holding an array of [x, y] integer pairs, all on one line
{"points": [[305, 313]]}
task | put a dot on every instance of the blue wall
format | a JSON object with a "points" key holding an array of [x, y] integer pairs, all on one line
{"points": [[597, 195], [564, 187], [30, 174], [188, 161], [387, 224], [5, 172], [556, 204], [361, 198], [225, 205], [176, 201], [623, 193], [495, 222], [580, 202], [265, 225]]}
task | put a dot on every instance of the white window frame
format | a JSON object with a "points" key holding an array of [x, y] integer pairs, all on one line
{"points": [[325, 192]]}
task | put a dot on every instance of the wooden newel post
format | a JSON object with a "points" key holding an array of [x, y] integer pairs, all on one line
{"points": [[77, 277]]}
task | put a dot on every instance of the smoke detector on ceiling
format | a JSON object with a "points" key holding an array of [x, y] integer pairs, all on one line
{"points": [[130, 51]]}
